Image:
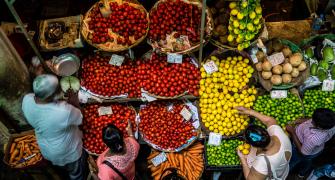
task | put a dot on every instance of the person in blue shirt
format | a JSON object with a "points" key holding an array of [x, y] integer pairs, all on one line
{"points": [[56, 125]]}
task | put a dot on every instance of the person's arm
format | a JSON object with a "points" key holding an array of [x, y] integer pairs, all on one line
{"points": [[294, 137], [249, 173], [267, 120], [72, 98]]}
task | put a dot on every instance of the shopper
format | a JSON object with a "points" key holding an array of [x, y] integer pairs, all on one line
{"points": [[327, 170], [270, 151], [117, 162], [309, 138], [56, 125]]}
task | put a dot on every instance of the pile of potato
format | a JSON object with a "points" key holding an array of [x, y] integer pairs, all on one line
{"points": [[285, 72]]}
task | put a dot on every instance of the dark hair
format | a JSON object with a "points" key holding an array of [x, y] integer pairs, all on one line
{"points": [[113, 138], [173, 175], [257, 136], [323, 118]]}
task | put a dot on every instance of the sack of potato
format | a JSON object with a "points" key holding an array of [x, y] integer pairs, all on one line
{"points": [[281, 66]]}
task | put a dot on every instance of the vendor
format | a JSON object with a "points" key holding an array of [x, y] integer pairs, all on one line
{"points": [[270, 152], [309, 138], [118, 161], [56, 125]]}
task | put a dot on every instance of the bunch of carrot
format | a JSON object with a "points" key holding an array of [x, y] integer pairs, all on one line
{"points": [[189, 162], [24, 151]]}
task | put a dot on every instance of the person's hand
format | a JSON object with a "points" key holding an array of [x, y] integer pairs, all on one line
{"points": [[242, 110], [290, 129], [72, 97], [242, 157]]}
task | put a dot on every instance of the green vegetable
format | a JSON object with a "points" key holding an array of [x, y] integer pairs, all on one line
{"points": [[223, 155], [314, 69], [284, 110], [328, 54], [70, 82], [322, 74], [309, 52], [324, 64], [332, 72], [314, 99]]}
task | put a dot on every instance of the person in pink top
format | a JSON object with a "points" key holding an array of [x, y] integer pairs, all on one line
{"points": [[117, 162], [309, 138]]}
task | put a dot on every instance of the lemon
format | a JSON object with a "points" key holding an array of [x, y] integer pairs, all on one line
{"points": [[232, 5], [256, 21], [246, 146], [252, 15], [241, 147], [234, 12], [211, 128], [240, 47], [244, 4], [250, 27], [258, 10], [245, 151], [242, 26], [230, 38], [240, 16], [236, 24], [239, 40], [207, 124]]}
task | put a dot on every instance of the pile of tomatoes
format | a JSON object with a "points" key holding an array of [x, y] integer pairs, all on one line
{"points": [[93, 124], [165, 127]]}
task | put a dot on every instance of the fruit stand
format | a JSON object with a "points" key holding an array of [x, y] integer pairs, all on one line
{"points": [[141, 66]]}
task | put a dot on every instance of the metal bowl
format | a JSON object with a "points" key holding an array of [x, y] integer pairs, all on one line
{"points": [[65, 64]]}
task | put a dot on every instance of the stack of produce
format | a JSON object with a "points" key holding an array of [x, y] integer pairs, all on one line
{"points": [[284, 73], [122, 25], [245, 22], [322, 61], [284, 110], [223, 155], [221, 17], [154, 75], [94, 123], [189, 162], [223, 90], [169, 79], [244, 148], [314, 99], [163, 126], [24, 152]]}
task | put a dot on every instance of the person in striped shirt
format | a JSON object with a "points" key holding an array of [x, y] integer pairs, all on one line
{"points": [[309, 138]]}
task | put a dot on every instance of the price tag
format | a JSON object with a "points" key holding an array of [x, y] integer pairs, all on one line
{"points": [[186, 114], [174, 58], [328, 85], [277, 94], [254, 59], [105, 110], [214, 139], [116, 60], [196, 124], [276, 58], [147, 97], [210, 67], [159, 159]]}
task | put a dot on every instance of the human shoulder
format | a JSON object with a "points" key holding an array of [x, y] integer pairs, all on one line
{"points": [[28, 98]]}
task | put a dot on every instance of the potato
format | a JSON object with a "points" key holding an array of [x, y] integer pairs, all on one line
{"points": [[266, 66], [260, 56], [276, 80], [259, 66], [296, 59], [266, 74], [287, 51], [302, 66], [295, 72], [287, 78], [277, 69], [287, 68]]}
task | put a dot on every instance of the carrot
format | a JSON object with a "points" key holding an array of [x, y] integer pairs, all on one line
{"points": [[181, 162], [172, 159], [153, 154], [13, 155], [21, 151], [199, 151], [23, 137], [12, 147], [158, 171]]}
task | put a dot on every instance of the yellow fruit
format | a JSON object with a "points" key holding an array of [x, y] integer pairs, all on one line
{"points": [[236, 23], [256, 21], [244, 4], [240, 16], [246, 146], [252, 15], [232, 5], [250, 27], [245, 151], [234, 12], [258, 10], [230, 38], [241, 147]]}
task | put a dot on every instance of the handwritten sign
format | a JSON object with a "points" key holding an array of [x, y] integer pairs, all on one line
{"points": [[214, 139], [105, 110], [187, 115], [174, 58], [276, 58], [210, 67], [159, 159], [328, 85], [277, 94], [116, 60]]}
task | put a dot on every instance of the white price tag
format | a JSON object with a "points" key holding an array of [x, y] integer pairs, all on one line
{"points": [[276, 58], [116, 60], [105, 110], [328, 85], [159, 159], [210, 67], [277, 94], [148, 97], [214, 139], [254, 59], [174, 58], [186, 114]]}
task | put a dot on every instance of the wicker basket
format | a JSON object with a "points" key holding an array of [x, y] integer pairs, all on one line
{"points": [[295, 81], [108, 46], [194, 47]]}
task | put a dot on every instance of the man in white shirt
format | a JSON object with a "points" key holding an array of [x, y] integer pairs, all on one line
{"points": [[56, 125]]}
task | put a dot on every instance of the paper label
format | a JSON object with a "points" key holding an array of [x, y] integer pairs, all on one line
{"points": [[116, 60], [254, 59], [148, 97], [328, 85], [276, 58], [174, 58], [277, 94], [83, 97], [159, 159], [196, 124], [210, 67], [186, 114], [105, 110], [214, 139]]}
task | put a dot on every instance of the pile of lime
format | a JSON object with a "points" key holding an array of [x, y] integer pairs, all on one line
{"points": [[284, 110], [225, 154], [314, 99], [245, 22]]}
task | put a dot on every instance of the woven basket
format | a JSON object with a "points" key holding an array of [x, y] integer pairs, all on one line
{"points": [[194, 47], [112, 47], [295, 81]]}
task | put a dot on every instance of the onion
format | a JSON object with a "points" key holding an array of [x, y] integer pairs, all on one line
{"points": [[277, 69], [296, 59], [276, 80], [70, 82], [266, 66], [295, 72], [287, 78], [287, 68], [259, 66], [266, 74], [260, 56], [302, 66], [286, 51]]}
